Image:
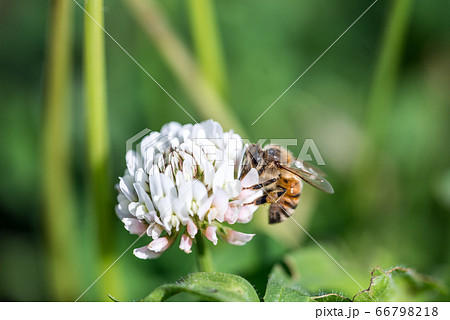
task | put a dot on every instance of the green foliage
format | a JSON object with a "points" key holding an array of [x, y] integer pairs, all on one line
{"points": [[57, 155], [400, 284], [383, 87], [378, 289], [216, 286], [210, 286], [392, 285], [315, 270], [330, 297], [281, 288]]}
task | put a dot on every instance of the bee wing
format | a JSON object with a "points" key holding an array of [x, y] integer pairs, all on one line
{"points": [[310, 175], [309, 167]]}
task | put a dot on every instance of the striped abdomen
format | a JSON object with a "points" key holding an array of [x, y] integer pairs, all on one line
{"points": [[286, 204]]}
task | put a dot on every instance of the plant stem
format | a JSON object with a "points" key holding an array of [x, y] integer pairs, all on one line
{"points": [[386, 71], [379, 106], [97, 136], [204, 260], [208, 102], [207, 42], [59, 203]]}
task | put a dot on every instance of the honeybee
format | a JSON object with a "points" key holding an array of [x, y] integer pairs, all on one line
{"points": [[281, 177]]}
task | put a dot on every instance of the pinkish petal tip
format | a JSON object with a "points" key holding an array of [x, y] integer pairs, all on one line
{"points": [[210, 234]]}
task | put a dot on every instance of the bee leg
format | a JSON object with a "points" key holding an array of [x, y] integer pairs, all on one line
{"points": [[262, 184], [259, 201], [245, 169], [275, 194], [269, 197]]}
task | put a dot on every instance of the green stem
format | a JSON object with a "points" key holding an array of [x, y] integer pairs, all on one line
{"points": [[204, 260], [380, 103], [59, 203], [97, 137], [207, 42], [208, 102], [386, 71]]}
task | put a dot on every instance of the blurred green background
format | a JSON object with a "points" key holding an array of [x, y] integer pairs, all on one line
{"points": [[376, 105]]}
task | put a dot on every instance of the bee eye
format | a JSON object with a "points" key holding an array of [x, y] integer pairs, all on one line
{"points": [[273, 154], [256, 158]]}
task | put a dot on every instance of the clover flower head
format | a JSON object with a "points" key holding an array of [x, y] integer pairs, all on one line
{"points": [[183, 180]]}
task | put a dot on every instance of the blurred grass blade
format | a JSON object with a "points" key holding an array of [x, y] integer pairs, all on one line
{"points": [[180, 60], [386, 71], [380, 103], [59, 204], [100, 190], [207, 43]]}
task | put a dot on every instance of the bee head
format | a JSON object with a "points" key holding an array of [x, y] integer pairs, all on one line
{"points": [[272, 154], [252, 158], [254, 154]]}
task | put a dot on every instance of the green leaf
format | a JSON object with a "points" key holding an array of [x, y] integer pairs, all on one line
{"points": [[278, 293], [409, 285], [417, 281], [281, 288], [331, 297], [316, 272], [401, 284], [378, 287], [113, 298], [397, 284], [211, 286]]}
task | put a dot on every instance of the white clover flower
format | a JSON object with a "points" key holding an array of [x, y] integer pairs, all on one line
{"points": [[183, 180]]}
